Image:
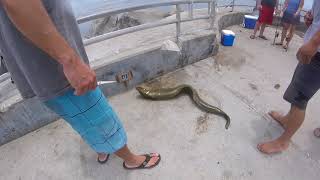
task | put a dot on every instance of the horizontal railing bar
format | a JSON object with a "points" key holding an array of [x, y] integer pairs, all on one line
{"points": [[127, 30], [138, 28], [195, 18], [134, 8], [239, 5]]}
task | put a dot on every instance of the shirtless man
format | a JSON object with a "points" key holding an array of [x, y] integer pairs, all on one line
{"points": [[305, 83]]}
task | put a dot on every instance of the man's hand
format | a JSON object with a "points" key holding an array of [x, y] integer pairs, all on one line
{"points": [[260, 7], [32, 20], [308, 18], [306, 52], [296, 14], [80, 76]]}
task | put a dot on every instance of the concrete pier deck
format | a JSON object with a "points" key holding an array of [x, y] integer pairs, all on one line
{"points": [[194, 145]]}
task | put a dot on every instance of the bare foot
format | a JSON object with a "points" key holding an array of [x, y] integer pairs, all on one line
{"points": [[316, 132], [138, 160], [273, 147], [282, 120]]}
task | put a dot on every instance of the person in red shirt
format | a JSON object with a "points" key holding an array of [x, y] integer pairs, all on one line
{"points": [[266, 9]]}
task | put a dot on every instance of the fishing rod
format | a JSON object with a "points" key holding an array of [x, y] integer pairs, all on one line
{"points": [[276, 35]]}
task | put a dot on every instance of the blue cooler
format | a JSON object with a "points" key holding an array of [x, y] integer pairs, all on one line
{"points": [[250, 21], [227, 37]]}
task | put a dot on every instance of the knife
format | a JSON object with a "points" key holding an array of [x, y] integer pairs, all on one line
{"points": [[105, 82]]}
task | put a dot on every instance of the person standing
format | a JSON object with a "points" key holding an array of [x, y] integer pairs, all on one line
{"points": [[43, 51], [289, 20], [266, 10], [304, 84]]}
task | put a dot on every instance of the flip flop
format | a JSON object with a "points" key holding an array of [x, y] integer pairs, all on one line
{"points": [[316, 132], [145, 162], [104, 161], [252, 37], [287, 39], [279, 44], [263, 37]]}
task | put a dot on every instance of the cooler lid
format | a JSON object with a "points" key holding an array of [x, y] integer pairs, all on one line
{"points": [[250, 17], [228, 32]]}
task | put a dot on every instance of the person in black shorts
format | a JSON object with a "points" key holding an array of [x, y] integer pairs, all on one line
{"points": [[290, 18], [304, 84]]}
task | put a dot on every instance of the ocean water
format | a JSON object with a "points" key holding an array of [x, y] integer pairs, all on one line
{"points": [[85, 7]]}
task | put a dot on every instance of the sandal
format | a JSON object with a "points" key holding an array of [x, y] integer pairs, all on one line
{"points": [[263, 37], [316, 132], [288, 39], [252, 37], [145, 162], [104, 161], [279, 44]]}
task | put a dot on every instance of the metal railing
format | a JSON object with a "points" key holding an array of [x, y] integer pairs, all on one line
{"points": [[233, 4], [177, 21]]}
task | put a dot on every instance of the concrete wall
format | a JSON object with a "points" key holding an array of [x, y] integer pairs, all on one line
{"points": [[23, 116], [229, 19]]}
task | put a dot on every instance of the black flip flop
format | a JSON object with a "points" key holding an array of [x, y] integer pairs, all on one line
{"points": [[279, 44], [104, 161], [252, 37], [145, 162], [316, 132], [287, 39], [263, 37]]}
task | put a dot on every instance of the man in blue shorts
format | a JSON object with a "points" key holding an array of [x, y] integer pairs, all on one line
{"points": [[43, 51], [305, 83]]}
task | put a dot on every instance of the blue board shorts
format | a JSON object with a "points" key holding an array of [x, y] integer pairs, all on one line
{"points": [[289, 18], [304, 84], [93, 118]]}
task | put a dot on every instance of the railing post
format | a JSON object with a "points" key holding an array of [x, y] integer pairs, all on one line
{"points": [[232, 5], [178, 23], [190, 5], [190, 10], [212, 13], [209, 7]]}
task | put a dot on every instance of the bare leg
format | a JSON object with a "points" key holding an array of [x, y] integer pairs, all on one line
{"points": [[263, 26], [284, 33], [282, 120], [295, 119], [290, 35], [256, 28]]}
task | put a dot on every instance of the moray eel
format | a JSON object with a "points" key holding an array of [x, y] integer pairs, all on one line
{"points": [[170, 93]]}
